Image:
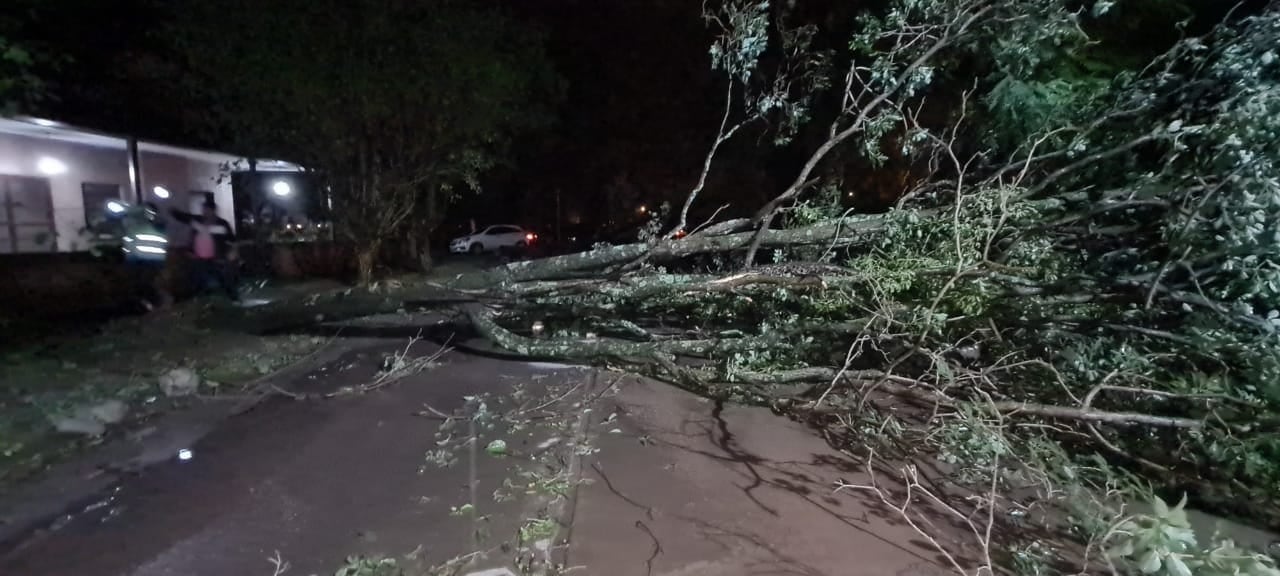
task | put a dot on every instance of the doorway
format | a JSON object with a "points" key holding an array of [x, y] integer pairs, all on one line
{"points": [[26, 215]]}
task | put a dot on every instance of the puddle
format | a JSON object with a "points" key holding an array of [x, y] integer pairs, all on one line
{"points": [[554, 366]]}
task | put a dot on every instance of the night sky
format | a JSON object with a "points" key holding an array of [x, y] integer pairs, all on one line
{"points": [[642, 104], [641, 101]]}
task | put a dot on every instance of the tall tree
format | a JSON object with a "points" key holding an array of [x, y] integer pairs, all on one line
{"points": [[20, 83], [396, 104]]}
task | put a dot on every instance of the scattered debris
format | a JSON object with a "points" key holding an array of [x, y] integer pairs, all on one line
{"points": [[179, 382], [497, 448], [91, 420]]}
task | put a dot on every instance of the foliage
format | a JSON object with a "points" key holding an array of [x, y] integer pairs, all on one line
{"points": [[17, 81], [363, 566], [778, 81], [1163, 542], [395, 105]]}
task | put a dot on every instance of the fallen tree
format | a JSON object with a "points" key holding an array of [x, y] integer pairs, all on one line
{"points": [[1085, 279]]}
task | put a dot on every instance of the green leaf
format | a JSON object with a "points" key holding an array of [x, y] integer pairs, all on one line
{"points": [[1176, 567], [1122, 549], [1149, 563], [1178, 515], [1159, 508]]}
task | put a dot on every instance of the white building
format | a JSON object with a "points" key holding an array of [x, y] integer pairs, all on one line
{"points": [[55, 179]]}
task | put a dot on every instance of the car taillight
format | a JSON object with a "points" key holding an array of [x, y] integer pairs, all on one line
{"points": [[530, 237]]}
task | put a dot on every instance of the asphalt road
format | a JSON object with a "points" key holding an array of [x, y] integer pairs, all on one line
{"points": [[314, 480]]}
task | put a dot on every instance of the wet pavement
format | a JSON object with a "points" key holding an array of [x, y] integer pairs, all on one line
{"points": [[685, 486], [667, 483], [314, 480]]}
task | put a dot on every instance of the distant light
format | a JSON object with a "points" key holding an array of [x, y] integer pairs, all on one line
{"points": [[161, 192], [185, 454], [643, 208], [529, 237], [115, 207], [43, 122], [281, 188], [50, 166]]}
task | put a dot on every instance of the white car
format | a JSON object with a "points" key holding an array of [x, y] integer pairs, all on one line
{"points": [[494, 238]]}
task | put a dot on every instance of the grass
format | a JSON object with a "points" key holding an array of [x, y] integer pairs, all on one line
{"points": [[537, 529], [123, 360]]}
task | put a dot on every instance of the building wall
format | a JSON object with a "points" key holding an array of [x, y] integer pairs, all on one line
{"points": [[84, 163], [19, 155]]}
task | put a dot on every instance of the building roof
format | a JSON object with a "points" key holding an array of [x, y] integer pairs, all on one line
{"points": [[51, 130]]}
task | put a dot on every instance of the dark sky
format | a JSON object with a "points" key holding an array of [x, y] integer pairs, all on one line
{"points": [[641, 105]]}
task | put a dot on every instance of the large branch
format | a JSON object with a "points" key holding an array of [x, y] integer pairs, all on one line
{"points": [[840, 232], [903, 387], [486, 324]]}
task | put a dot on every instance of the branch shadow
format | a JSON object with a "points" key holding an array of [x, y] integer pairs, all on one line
{"points": [[760, 472]]}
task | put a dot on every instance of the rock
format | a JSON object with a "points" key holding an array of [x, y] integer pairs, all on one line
{"points": [[91, 420], [110, 412], [179, 382], [81, 421]]}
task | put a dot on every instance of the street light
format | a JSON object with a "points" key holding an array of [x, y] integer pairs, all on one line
{"points": [[161, 192], [115, 207], [281, 188]]}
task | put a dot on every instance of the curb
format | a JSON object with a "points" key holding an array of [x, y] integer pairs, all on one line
{"points": [[559, 554]]}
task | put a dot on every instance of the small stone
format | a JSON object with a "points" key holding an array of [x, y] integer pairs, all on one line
{"points": [[179, 382]]}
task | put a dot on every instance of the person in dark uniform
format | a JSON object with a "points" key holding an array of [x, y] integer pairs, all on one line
{"points": [[145, 249]]}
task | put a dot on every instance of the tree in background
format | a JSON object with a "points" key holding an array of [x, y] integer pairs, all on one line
{"points": [[396, 105], [20, 85]]}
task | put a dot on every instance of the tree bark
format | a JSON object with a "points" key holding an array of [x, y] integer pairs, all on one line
{"points": [[419, 246], [840, 232], [366, 258], [425, 262]]}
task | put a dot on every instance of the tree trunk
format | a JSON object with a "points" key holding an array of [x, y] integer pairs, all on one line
{"points": [[425, 262], [366, 258], [838, 232]]}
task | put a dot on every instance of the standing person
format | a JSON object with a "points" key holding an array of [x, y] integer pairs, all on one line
{"points": [[213, 252], [145, 252]]}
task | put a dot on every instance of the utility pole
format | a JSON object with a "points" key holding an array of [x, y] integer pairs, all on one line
{"points": [[135, 169]]}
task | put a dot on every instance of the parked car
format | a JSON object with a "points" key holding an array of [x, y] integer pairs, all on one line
{"points": [[497, 238]]}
